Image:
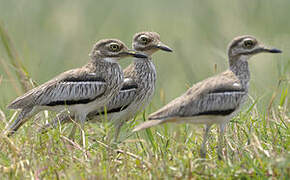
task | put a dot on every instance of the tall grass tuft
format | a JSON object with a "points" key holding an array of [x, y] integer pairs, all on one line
{"points": [[21, 72]]}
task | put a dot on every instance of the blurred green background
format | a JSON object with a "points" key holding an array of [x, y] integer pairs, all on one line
{"points": [[54, 36]]}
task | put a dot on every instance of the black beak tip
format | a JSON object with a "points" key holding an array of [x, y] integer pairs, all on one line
{"points": [[167, 49], [274, 50]]}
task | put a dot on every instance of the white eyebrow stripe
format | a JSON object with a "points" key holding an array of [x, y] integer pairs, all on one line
{"points": [[92, 74], [236, 85], [127, 80]]}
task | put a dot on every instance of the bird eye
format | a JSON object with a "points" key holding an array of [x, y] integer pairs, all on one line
{"points": [[114, 47], [249, 43], [144, 39]]}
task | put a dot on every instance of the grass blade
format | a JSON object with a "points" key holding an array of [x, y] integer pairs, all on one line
{"points": [[22, 74]]}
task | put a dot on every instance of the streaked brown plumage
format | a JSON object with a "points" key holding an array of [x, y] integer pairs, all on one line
{"points": [[78, 90], [216, 99], [138, 87]]}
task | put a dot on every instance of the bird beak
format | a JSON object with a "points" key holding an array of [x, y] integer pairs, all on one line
{"points": [[271, 50], [135, 54], [163, 47]]}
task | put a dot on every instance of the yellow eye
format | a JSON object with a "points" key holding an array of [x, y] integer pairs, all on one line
{"points": [[144, 39], [114, 47], [249, 43]]}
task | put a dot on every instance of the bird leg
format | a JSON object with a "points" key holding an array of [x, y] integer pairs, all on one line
{"points": [[118, 126], [205, 136], [62, 118], [81, 119], [58, 120], [221, 141], [73, 132]]}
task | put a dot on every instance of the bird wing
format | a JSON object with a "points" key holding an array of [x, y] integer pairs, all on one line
{"points": [[126, 94], [71, 87], [218, 95], [122, 100]]}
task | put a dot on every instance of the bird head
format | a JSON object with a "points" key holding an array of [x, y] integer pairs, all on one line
{"points": [[248, 46], [149, 43], [114, 50]]}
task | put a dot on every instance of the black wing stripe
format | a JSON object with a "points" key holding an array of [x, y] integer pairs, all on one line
{"points": [[216, 113], [128, 87], [119, 109], [72, 102], [227, 90]]}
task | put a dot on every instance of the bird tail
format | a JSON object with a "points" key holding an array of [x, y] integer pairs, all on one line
{"points": [[148, 124], [19, 121]]}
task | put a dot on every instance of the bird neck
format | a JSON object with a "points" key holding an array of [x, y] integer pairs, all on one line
{"points": [[142, 60], [142, 70], [142, 65], [109, 70], [239, 66], [108, 62]]}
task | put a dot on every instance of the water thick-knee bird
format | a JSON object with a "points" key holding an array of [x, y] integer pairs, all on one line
{"points": [[79, 90], [138, 87], [217, 99]]}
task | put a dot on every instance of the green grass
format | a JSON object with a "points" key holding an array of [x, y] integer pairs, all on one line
{"points": [[40, 39], [257, 146]]}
